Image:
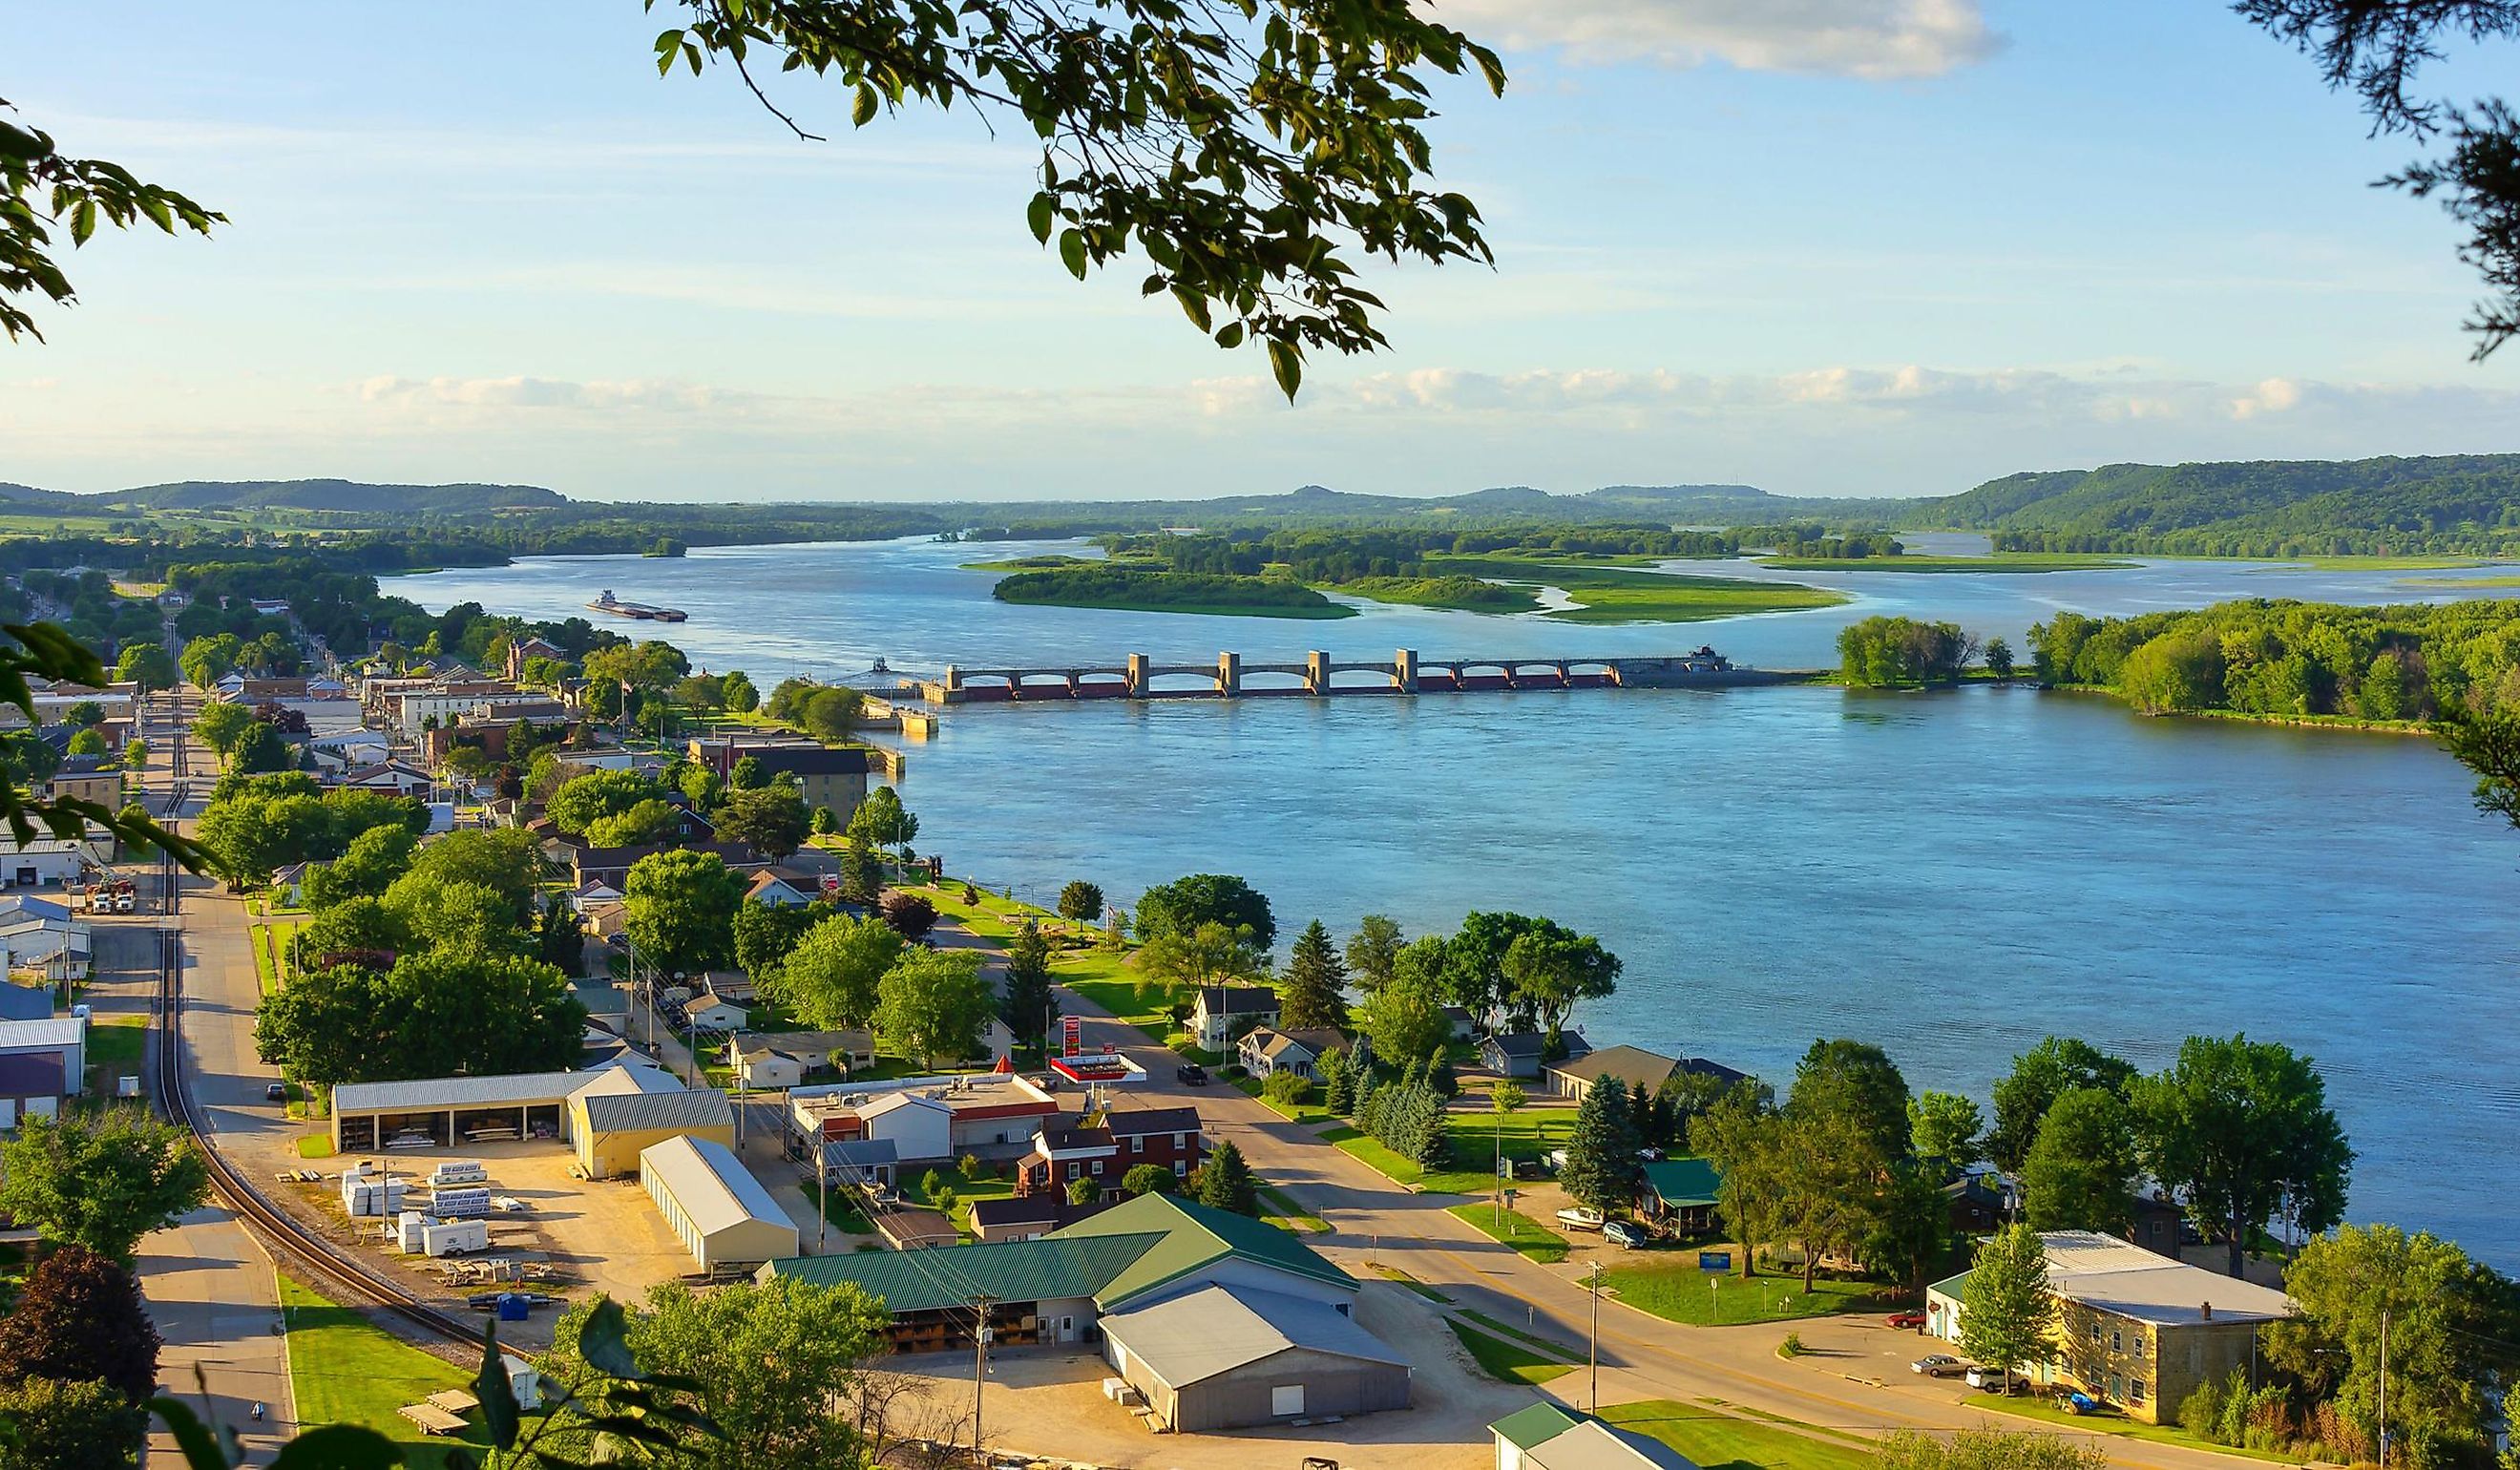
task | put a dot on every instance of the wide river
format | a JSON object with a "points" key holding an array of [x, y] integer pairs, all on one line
{"points": [[1951, 876]]}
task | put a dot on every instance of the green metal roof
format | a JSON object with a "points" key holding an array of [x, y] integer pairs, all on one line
{"points": [[1954, 1287], [1537, 1425], [1193, 1237], [1015, 1270], [1690, 1181]]}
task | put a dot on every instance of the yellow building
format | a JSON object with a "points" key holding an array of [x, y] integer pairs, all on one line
{"points": [[628, 1109]]}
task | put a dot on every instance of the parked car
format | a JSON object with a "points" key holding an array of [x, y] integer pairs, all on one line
{"points": [[1624, 1235], [1190, 1074], [1530, 1169], [1907, 1319], [1940, 1365], [277, 1092], [1581, 1217], [1555, 1159], [1993, 1380]]}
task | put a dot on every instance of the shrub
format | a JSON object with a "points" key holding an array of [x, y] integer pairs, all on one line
{"points": [[1988, 1449], [974, 1169], [1792, 1347], [1287, 1088]]}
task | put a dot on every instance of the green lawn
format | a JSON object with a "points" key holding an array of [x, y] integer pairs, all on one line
{"points": [[2032, 1406], [1516, 1229], [2000, 561], [343, 1368], [1280, 1211], [964, 1190], [1670, 1285], [1521, 1335], [1508, 1361], [315, 1146], [1718, 1441], [1309, 1112], [1617, 595], [113, 1046], [1527, 1136]]}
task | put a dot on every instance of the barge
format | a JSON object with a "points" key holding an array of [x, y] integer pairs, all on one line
{"points": [[609, 603]]}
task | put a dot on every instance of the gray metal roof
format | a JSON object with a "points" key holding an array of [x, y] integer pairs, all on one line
{"points": [[640, 1112], [1216, 1329], [713, 1186], [515, 1089]]}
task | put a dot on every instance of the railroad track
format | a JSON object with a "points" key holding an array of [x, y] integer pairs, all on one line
{"points": [[275, 1225]]}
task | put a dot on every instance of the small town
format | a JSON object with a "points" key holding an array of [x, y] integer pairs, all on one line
{"points": [[514, 997]]}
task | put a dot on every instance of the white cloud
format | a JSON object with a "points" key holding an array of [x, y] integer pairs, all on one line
{"points": [[2275, 395], [1877, 39]]}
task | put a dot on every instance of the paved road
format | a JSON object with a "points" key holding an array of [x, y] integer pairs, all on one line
{"points": [[210, 1289], [1642, 1357]]}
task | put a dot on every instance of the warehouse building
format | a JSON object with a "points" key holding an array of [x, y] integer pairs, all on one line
{"points": [[442, 1112], [723, 1217], [1221, 1357], [1217, 1320], [612, 1128]]}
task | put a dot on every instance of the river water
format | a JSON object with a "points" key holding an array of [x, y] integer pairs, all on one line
{"points": [[1950, 874]]}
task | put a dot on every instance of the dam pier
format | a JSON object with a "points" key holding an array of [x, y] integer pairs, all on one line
{"points": [[1319, 676]]}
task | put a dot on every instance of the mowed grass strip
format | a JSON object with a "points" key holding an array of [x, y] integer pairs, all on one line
{"points": [[1718, 1441], [1506, 1361], [1520, 1231], [344, 1369], [1672, 1287], [1612, 595]]}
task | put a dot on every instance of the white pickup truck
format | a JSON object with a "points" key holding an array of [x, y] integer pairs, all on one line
{"points": [[1577, 1217]]}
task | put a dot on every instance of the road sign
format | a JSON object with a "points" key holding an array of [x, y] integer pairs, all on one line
{"points": [[1714, 1260]]}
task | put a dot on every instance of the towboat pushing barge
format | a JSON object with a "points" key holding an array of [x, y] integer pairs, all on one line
{"points": [[607, 603]]}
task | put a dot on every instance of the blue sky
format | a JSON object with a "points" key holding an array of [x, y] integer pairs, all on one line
{"points": [[1824, 246]]}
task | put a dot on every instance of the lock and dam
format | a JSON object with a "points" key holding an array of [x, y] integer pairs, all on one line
{"points": [[1320, 674]]}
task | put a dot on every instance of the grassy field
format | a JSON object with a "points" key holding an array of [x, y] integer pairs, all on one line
{"points": [[1670, 1285], [2029, 1406], [1048, 561], [1612, 595], [1308, 1112], [2000, 561], [1516, 1229], [344, 1369], [1527, 1136], [113, 1046], [2495, 583], [1508, 1361], [1718, 1441]]}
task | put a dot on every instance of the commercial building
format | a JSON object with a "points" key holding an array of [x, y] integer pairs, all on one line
{"points": [[32, 1085], [48, 861], [827, 776], [612, 1123], [443, 1111], [2134, 1329], [723, 1216], [922, 1117], [62, 1037], [1217, 1320]]}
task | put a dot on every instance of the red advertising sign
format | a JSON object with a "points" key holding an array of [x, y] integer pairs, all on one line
{"points": [[1070, 1035]]}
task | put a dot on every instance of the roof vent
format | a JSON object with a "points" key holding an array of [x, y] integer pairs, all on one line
{"points": [[2205, 1312]]}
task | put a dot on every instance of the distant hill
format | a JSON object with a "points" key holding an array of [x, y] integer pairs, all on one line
{"points": [[348, 496], [2416, 500]]}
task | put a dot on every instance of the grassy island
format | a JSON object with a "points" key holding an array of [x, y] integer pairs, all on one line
{"points": [[1460, 594], [1135, 591], [2000, 561], [1613, 595]]}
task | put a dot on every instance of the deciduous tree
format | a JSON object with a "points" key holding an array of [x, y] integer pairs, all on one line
{"points": [[765, 934], [2448, 1318], [583, 800], [1944, 1128], [932, 1002], [834, 975], [1405, 1018], [2057, 1064], [2006, 1310], [79, 1317], [911, 914], [2242, 1129], [1188, 904], [1080, 901], [1148, 1178], [2080, 1175], [101, 1179], [47, 1424], [1371, 950], [679, 909]]}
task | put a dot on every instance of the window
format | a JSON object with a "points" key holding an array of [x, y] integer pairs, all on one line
{"points": [[2096, 1334], [2117, 1387], [2117, 1341], [1097, 1167], [1071, 1170], [1181, 1168], [2136, 1390], [1137, 1144], [1181, 1140]]}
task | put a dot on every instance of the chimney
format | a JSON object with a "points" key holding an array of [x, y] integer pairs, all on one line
{"points": [[2205, 1312]]}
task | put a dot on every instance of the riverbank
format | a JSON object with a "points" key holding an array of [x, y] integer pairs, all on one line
{"points": [[1999, 563], [2333, 723], [1619, 595], [1201, 593]]}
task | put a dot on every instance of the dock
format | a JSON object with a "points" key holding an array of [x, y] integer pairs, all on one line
{"points": [[1320, 676]]}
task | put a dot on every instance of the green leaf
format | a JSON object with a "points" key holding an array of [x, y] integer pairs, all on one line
{"points": [[82, 221], [498, 1397], [337, 1446], [1071, 253], [1230, 336], [1286, 362], [862, 110], [1041, 216], [604, 1342], [1192, 304], [201, 1451]]}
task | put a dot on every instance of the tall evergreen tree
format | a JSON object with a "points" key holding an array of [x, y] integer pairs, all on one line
{"points": [[1308, 996], [560, 943], [1602, 1168], [1225, 1182], [1028, 1001], [1338, 1089]]}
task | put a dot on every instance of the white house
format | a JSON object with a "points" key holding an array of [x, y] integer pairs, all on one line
{"points": [[916, 1127], [394, 778], [770, 888], [714, 1013], [1220, 1010], [1548, 1436], [766, 1070]]}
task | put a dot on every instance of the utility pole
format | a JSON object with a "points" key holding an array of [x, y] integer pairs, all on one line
{"points": [[980, 1370], [1592, 1357], [2384, 1387], [822, 1192]]}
